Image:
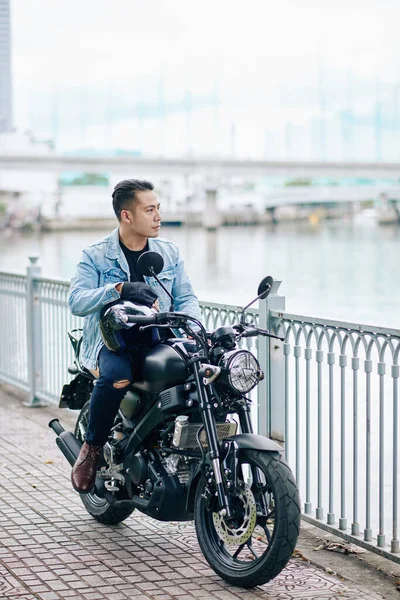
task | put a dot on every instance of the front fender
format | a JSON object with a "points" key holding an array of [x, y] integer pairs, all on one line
{"points": [[245, 441], [252, 441]]}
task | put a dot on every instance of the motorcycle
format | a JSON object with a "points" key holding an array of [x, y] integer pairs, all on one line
{"points": [[174, 452]]}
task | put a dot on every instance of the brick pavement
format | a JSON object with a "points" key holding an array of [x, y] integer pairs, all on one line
{"points": [[51, 548]]}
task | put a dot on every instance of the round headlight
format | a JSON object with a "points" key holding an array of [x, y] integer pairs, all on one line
{"points": [[242, 370]]}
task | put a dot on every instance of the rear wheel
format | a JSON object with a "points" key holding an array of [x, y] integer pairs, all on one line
{"points": [[99, 508], [255, 545]]}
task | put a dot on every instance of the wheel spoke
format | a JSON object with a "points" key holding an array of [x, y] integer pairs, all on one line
{"points": [[250, 547], [238, 551], [267, 533]]}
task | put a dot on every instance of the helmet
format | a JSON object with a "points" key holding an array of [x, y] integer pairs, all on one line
{"points": [[113, 322]]}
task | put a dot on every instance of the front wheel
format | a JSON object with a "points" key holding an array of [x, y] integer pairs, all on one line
{"points": [[99, 508], [256, 544]]}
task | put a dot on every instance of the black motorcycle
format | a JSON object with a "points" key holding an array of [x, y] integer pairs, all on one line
{"points": [[175, 452]]}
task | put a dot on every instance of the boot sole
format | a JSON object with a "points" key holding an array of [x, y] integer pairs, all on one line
{"points": [[91, 491]]}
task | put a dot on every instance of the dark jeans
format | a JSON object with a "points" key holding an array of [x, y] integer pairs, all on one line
{"points": [[106, 399]]}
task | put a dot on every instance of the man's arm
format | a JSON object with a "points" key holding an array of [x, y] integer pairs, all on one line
{"points": [[185, 300], [85, 295]]}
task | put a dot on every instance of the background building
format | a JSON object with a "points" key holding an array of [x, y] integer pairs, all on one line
{"points": [[5, 68]]}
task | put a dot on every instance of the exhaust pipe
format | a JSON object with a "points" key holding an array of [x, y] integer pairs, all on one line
{"points": [[71, 447], [56, 426], [66, 441]]}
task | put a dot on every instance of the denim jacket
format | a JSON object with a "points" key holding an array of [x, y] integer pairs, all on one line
{"points": [[102, 266]]}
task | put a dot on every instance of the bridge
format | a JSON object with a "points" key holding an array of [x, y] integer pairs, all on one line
{"points": [[295, 195], [255, 208], [213, 173], [206, 166]]}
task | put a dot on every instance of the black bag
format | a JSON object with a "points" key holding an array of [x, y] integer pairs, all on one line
{"points": [[76, 393]]}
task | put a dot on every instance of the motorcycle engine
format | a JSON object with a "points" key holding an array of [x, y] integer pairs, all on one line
{"points": [[108, 453], [177, 465]]}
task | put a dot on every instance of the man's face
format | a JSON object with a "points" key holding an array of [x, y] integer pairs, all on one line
{"points": [[144, 219]]}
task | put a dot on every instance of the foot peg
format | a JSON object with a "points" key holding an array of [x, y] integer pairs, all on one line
{"points": [[111, 486]]}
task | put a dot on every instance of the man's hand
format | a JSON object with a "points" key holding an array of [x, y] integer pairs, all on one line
{"points": [[156, 304], [137, 291]]}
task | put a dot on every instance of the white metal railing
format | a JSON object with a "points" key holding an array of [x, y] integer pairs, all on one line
{"points": [[340, 391], [13, 328], [330, 395], [35, 351]]}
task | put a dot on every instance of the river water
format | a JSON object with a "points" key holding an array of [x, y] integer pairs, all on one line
{"points": [[344, 270]]}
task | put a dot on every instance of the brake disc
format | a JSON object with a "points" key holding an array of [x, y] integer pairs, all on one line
{"points": [[232, 534]]}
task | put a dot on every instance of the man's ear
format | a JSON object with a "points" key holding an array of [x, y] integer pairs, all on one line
{"points": [[126, 216]]}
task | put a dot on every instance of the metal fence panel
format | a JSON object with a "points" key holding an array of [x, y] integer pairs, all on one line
{"points": [[57, 351], [13, 349], [56, 320], [330, 394], [51, 323], [341, 394]]}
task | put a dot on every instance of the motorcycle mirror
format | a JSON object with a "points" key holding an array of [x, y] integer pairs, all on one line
{"points": [[150, 263], [265, 287]]}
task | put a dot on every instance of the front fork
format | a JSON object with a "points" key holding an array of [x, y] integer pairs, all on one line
{"points": [[230, 460], [206, 409], [246, 426]]}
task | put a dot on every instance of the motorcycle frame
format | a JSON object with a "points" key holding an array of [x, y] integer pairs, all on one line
{"points": [[154, 417], [220, 472]]}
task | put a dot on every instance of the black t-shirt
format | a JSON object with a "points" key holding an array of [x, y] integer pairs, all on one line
{"points": [[132, 257], [132, 337]]}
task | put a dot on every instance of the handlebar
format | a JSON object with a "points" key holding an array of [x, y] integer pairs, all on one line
{"points": [[255, 331], [271, 335], [173, 319], [163, 319], [141, 319], [154, 319], [250, 333]]}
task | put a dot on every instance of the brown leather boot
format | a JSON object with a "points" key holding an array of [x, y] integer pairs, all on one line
{"points": [[84, 471]]}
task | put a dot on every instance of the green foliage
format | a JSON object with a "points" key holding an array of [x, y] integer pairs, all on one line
{"points": [[298, 182], [249, 186], [367, 204], [84, 179], [27, 227]]}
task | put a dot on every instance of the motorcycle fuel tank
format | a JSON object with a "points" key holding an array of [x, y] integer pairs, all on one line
{"points": [[162, 368]]}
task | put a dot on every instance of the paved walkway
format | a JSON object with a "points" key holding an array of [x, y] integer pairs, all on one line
{"points": [[50, 547]]}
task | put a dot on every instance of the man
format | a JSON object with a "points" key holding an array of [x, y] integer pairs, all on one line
{"points": [[107, 272]]}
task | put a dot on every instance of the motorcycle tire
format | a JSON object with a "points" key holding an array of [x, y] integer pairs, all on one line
{"points": [[273, 504], [99, 508]]}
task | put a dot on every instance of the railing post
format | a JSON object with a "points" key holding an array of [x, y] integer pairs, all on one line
{"points": [[271, 391], [33, 331]]}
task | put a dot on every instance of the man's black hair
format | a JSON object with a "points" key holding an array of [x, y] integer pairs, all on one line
{"points": [[124, 194]]}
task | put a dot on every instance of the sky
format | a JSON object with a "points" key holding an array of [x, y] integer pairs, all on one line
{"points": [[260, 78]]}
